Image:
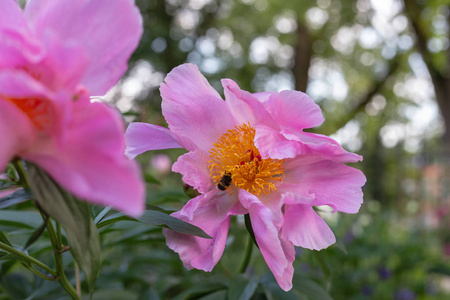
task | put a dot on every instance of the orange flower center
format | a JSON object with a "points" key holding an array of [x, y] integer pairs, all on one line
{"points": [[235, 161], [37, 110]]}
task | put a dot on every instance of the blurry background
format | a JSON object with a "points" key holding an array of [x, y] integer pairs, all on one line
{"points": [[380, 71]]}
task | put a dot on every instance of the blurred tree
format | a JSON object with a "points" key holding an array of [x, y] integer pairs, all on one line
{"points": [[358, 59]]}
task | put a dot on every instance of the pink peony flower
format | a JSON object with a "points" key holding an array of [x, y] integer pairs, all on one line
{"points": [[53, 56], [249, 155]]}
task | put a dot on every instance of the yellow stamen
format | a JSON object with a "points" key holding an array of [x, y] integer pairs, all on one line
{"points": [[235, 153]]}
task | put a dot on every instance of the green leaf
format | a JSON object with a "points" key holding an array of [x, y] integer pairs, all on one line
{"points": [[199, 291], [219, 295], [248, 225], [4, 239], [16, 286], [320, 257], [36, 234], [340, 244], [26, 219], [241, 288], [114, 218], [18, 196], [74, 216], [149, 294], [151, 179], [310, 288], [161, 219]]}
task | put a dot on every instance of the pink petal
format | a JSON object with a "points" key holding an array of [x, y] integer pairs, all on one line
{"points": [[16, 132], [19, 84], [63, 66], [294, 110], [142, 137], [278, 253], [244, 106], [94, 138], [303, 227], [332, 183], [109, 31], [271, 143], [18, 48], [196, 252], [194, 168], [325, 146], [16, 44], [11, 14], [193, 109]]}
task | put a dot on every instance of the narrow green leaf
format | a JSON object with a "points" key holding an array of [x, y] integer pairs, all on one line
{"points": [[114, 218], [102, 214], [24, 219], [248, 225], [36, 234], [219, 295], [161, 219], [341, 246], [4, 239], [16, 197], [74, 216], [199, 291], [151, 179], [241, 288]]}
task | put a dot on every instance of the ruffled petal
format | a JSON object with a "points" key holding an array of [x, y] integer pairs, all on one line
{"points": [[271, 143], [142, 137], [94, 138], [17, 46], [244, 106], [193, 167], [278, 253], [118, 28], [19, 84], [303, 227], [332, 183], [294, 110], [212, 214], [324, 146], [193, 109], [16, 132]]}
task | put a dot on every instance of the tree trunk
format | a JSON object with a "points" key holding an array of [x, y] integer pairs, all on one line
{"points": [[302, 57]]}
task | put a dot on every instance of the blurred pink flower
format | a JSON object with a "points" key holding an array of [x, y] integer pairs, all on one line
{"points": [[249, 155], [53, 56], [161, 162]]}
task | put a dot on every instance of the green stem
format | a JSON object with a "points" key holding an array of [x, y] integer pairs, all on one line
{"points": [[43, 276], [248, 255], [55, 238], [57, 251], [27, 258], [23, 179]]}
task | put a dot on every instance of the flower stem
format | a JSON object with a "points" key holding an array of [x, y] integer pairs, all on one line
{"points": [[30, 259], [55, 238], [248, 255], [43, 276], [57, 251], [23, 179]]}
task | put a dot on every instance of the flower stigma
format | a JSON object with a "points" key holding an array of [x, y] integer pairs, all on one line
{"points": [[235, 156]]}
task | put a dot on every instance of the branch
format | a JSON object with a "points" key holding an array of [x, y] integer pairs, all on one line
{"points": [[394, 64]]}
